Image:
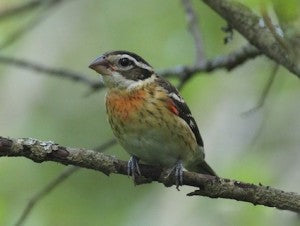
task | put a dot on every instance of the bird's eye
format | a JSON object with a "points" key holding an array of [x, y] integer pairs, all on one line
{"points": [[125, 62]]}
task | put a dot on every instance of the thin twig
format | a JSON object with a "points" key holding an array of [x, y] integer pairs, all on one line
{"points": [[54, 183], [229, 62], [63, 73], [46, 5], [268, 22], [214, 187], [20, 8], [193, 26], [265, 92], [45, 191], [229, 33], [21, 31]]}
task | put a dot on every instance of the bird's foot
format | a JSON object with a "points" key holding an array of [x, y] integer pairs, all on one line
{"points": [[178, 173], [133, 168]]}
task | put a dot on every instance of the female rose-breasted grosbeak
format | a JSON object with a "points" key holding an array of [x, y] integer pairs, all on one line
{"points": [[149, 117]]}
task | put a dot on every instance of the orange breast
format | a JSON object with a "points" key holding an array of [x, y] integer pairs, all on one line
{"points": [[121, 105]]}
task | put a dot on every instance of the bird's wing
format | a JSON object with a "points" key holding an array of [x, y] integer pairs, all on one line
{"points": [[178, 106]]}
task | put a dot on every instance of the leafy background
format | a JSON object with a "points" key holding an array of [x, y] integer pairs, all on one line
{"points": [[261, 147]]}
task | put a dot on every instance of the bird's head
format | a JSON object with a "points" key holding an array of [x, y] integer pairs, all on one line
{"points": [[122, 69]]}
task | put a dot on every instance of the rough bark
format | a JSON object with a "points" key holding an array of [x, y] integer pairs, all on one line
{"points": [[214, 187], [252, 27]]}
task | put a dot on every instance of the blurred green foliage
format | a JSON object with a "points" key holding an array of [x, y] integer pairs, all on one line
{"points": [[287, 11], [263, 147]]}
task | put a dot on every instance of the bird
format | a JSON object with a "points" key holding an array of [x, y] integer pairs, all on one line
{"points": [[149, 117]]}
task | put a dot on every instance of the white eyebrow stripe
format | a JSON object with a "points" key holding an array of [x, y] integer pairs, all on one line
{"points": [[139, 64]]}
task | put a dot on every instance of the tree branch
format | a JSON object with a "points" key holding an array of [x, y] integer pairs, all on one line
{"points": [[20, 8], [21, 31], [228, 62], [46, 6], [265, 91], [213, 187], [25, 7], [252, 27], [45, 191], [193, 27], [184, 73], [63, 73]]}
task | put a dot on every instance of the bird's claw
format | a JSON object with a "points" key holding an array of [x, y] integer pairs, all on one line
{"points": [[133, 168], [178, 173]]}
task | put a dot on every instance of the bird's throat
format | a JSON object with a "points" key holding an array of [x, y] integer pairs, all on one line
{"points": [[121, 105]]}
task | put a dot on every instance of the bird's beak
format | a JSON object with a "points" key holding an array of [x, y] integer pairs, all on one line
{"points": [[101, 65]]}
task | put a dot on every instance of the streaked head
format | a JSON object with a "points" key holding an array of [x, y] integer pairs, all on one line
{"points": [[121, 69]]}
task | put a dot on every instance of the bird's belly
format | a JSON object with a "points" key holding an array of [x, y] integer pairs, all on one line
{"points": [[152, 147], [162, 146]]}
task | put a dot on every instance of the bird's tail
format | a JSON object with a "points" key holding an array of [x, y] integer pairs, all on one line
{"points": [[204, 168]]}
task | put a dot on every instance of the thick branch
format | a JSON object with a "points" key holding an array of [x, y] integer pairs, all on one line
{"points": [[253, 29], [39, 151]]}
